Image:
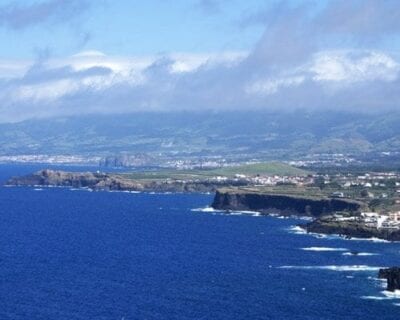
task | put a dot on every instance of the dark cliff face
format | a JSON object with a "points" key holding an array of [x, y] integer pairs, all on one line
{"points": [[56, 178], [392, 275], [282, 204]]}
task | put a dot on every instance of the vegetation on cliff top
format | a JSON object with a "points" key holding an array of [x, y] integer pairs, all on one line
{"points": [[265, 168]]}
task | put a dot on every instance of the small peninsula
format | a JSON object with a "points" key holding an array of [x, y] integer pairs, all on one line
{"points": [[99, 181]]}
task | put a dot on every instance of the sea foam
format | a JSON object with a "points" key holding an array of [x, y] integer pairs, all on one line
{"points": [[323, 249], [297, 230], [362, 254], [345, 268]]}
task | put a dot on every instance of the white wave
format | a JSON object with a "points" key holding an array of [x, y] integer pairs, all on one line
{"points": [[323, 249], [300, 230], [233, 213], [206, 209], [374, 298], [248, 212], [38, 189], [362, 254], [392, 295], [337, 236], [297, 230], [372, 239], [236, 213], [386, 295], [334, 268]]}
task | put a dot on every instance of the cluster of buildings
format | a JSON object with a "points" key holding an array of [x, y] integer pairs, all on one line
{"points": [[277, 179], [367, 180], [50, 159], [389, 221], [383, 221], [325, 160]]}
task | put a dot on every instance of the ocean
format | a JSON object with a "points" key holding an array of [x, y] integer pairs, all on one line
{"points": [[75, 254]]}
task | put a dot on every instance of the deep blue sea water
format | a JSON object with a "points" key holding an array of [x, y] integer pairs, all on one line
{"points": [[95, 255]]}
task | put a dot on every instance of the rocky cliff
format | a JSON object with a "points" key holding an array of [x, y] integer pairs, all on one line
{"points": [[280, 203], [96, 181], [392, 275], [112, 182]]}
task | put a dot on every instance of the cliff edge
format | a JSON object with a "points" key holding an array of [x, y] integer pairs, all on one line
{"points": [[285, 204]]}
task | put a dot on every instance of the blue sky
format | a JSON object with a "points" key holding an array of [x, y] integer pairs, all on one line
{"points": [[127, 27], [71, 57]]}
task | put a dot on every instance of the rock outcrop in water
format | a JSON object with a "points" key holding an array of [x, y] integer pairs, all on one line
{"points": [[252, 200], [392, 275]]}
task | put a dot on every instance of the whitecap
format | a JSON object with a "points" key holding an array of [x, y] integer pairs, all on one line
{"points": [[361, 254], [233, 213], [206, 209], [374, 298], [392, 294], [386, 295], [337, 236], [334, 268], [372, 239], [297, 230], [323, 249], [245, 212]]}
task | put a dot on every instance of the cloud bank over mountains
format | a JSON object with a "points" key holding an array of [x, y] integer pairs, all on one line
{"points": [[339, 56]]}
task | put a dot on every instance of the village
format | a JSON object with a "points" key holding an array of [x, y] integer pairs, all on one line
{"points": [[380, 191], [375, 220]]}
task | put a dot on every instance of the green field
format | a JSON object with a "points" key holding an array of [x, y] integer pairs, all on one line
{"points": [[267, 168]]}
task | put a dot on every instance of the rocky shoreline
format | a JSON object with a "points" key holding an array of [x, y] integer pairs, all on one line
{"points": [[349, 229], [227, 197], [98, 181], [323, 210]]}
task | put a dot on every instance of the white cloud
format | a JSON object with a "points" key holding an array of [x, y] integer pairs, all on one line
{"points": [[91, 82], [272, 86], [354, 67], [93, 72]]}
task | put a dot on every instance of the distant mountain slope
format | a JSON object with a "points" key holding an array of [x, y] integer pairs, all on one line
{"points": [[205, 133]]}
